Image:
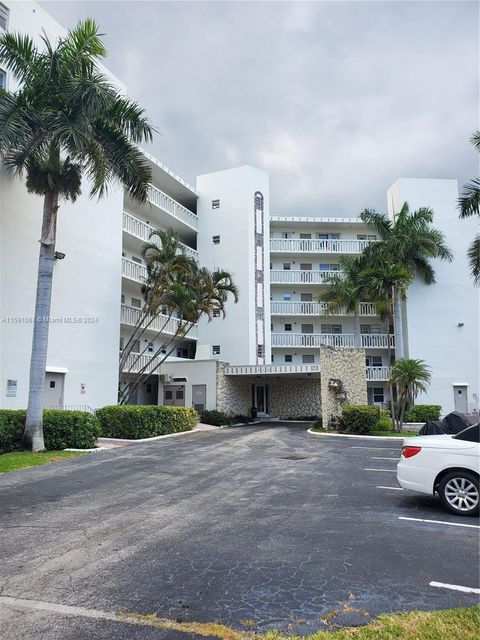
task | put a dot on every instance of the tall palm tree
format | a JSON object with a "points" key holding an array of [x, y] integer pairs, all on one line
{"points": [[410, 377], [412, 241], [469, 205], [345, 293], [66, 122]]}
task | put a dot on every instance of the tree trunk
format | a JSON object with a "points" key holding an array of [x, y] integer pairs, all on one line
{"points": [[357, 337], [33, 434], [397, 309]]}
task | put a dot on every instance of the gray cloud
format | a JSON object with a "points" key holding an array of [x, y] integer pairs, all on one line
{"points": [[336, 100]]}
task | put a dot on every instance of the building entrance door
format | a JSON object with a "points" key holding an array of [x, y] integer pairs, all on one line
{"points": [[199, 396], [260, 398], [53, 390], [174, 395], [460, 392]]}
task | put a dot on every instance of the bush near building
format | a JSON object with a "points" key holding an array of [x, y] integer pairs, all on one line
{"points": [[217, 418], [144, 421], [62, 429], [422, 413], [359, 418]]}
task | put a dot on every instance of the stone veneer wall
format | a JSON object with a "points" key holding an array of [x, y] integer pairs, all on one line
{"points": [[348, 365], [288, 397]]}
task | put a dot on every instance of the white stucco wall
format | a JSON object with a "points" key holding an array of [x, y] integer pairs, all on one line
{"points": [[434, 313], [196, 372]]}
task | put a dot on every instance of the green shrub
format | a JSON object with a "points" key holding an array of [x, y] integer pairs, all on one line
{"points": [[215, 418], [61, 429], [144, 421], [384, 424], [359, 418], [317, 425], [240, 419], [422, 413]]}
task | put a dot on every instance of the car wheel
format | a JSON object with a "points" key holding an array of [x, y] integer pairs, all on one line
{"points": [[459, 492]]}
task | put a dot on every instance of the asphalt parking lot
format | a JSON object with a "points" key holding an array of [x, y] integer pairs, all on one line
{"points": [[254, 527]]}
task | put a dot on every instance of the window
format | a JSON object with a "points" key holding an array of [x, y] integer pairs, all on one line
{"points": [[370, 328], [3, 16], [322, 236], [288, 357], [215, 204], [122, 298], [216, 313], [361, 236], [470, 434], [3, 79], [305, 236], [336, 328], [371, 238], [148, 387], [216, 239], [138, 260], [307, 328], [136, 347], [331, 328], [260, 351], [308, 359], [335, 236], [168, 394], [52, 384], [373, 361], [287, 327], [378, 394], [216, 349], [121, 343], [150, 347], [306, 297], [136, 302], [287, 296], [286, 266], [324, 266], [304, 266], [258, 201]]}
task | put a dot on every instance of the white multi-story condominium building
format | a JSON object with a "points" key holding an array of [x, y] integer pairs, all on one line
{"points": [[267, 351]]}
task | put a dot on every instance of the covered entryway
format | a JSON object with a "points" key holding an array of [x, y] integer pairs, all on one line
{"points": [[260, 399]]}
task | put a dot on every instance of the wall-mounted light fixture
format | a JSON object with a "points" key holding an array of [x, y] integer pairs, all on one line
{"points": [[58, 255], [460, 324]]}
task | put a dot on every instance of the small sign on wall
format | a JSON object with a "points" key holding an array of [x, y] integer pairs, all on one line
{"points": [[11, 388], [83, 388]]}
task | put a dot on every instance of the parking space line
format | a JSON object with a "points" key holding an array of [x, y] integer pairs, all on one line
{"points": [[451, 524], [392, 488], [389, 470], [453, 587], [378, 448]]}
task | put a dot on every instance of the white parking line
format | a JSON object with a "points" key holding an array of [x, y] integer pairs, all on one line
{"points": [[451, 524], [377, 448], [392, 488], [453, 587], [389, 470]]}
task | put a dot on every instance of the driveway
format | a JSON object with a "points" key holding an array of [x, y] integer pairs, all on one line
{"points": [[255, 527]]}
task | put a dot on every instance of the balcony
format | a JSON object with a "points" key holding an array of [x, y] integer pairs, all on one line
{"points": [[378, 374], [294, 245], [315, 340], [133, 271], [142, 231], [135, 362], [172, 207], [302, 277], [271, 369], [130, 315], [315, 309]]}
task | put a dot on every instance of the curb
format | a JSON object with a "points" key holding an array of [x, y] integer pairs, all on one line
{"points": [[88, 450], [347, 435], [135, 440]]}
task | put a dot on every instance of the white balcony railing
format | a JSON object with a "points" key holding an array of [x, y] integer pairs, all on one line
{"points": [[133, 270], [378, 373], [252, 370], [309, 340], [136, 362], [130, 316], [294, 245], [142, 230], [172, 207], [314, 309], [301, 277]]}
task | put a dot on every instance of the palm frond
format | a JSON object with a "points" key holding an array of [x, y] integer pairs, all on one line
{"points": [[469, 201], [473, 255]]}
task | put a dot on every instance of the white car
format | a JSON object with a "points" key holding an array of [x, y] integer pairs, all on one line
{"points": [[445, 464]]}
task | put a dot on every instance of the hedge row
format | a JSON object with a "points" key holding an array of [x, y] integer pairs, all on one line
{"points": [[423, 412], [359, 418], [144, 421], [61, 429]]}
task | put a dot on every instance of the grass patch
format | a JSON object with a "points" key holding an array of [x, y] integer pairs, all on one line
{"points": [[22, 459], [454, 624], [386, 434]]}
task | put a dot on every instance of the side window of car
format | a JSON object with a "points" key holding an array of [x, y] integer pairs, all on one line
{"points": [[470, 434]]}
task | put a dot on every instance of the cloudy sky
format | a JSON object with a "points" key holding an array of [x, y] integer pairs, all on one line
{"points": [[336, 100]]}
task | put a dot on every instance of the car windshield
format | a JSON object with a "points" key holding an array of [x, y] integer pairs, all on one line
{"points": [[471, 434]]}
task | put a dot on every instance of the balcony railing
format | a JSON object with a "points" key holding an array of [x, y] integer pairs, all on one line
{"points": [[301, 277], [252, 370], [130, 315], [135, 362], [378, 373], [133, 270], [294, 245], [172, 207], [315, 309], [309, 340], [142, 230]]}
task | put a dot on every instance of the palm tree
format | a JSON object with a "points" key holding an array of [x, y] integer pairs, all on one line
{"points": [[66, 122], [345, 293], [381, 278], [412, 241], [469, 205], [410, 377]]}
